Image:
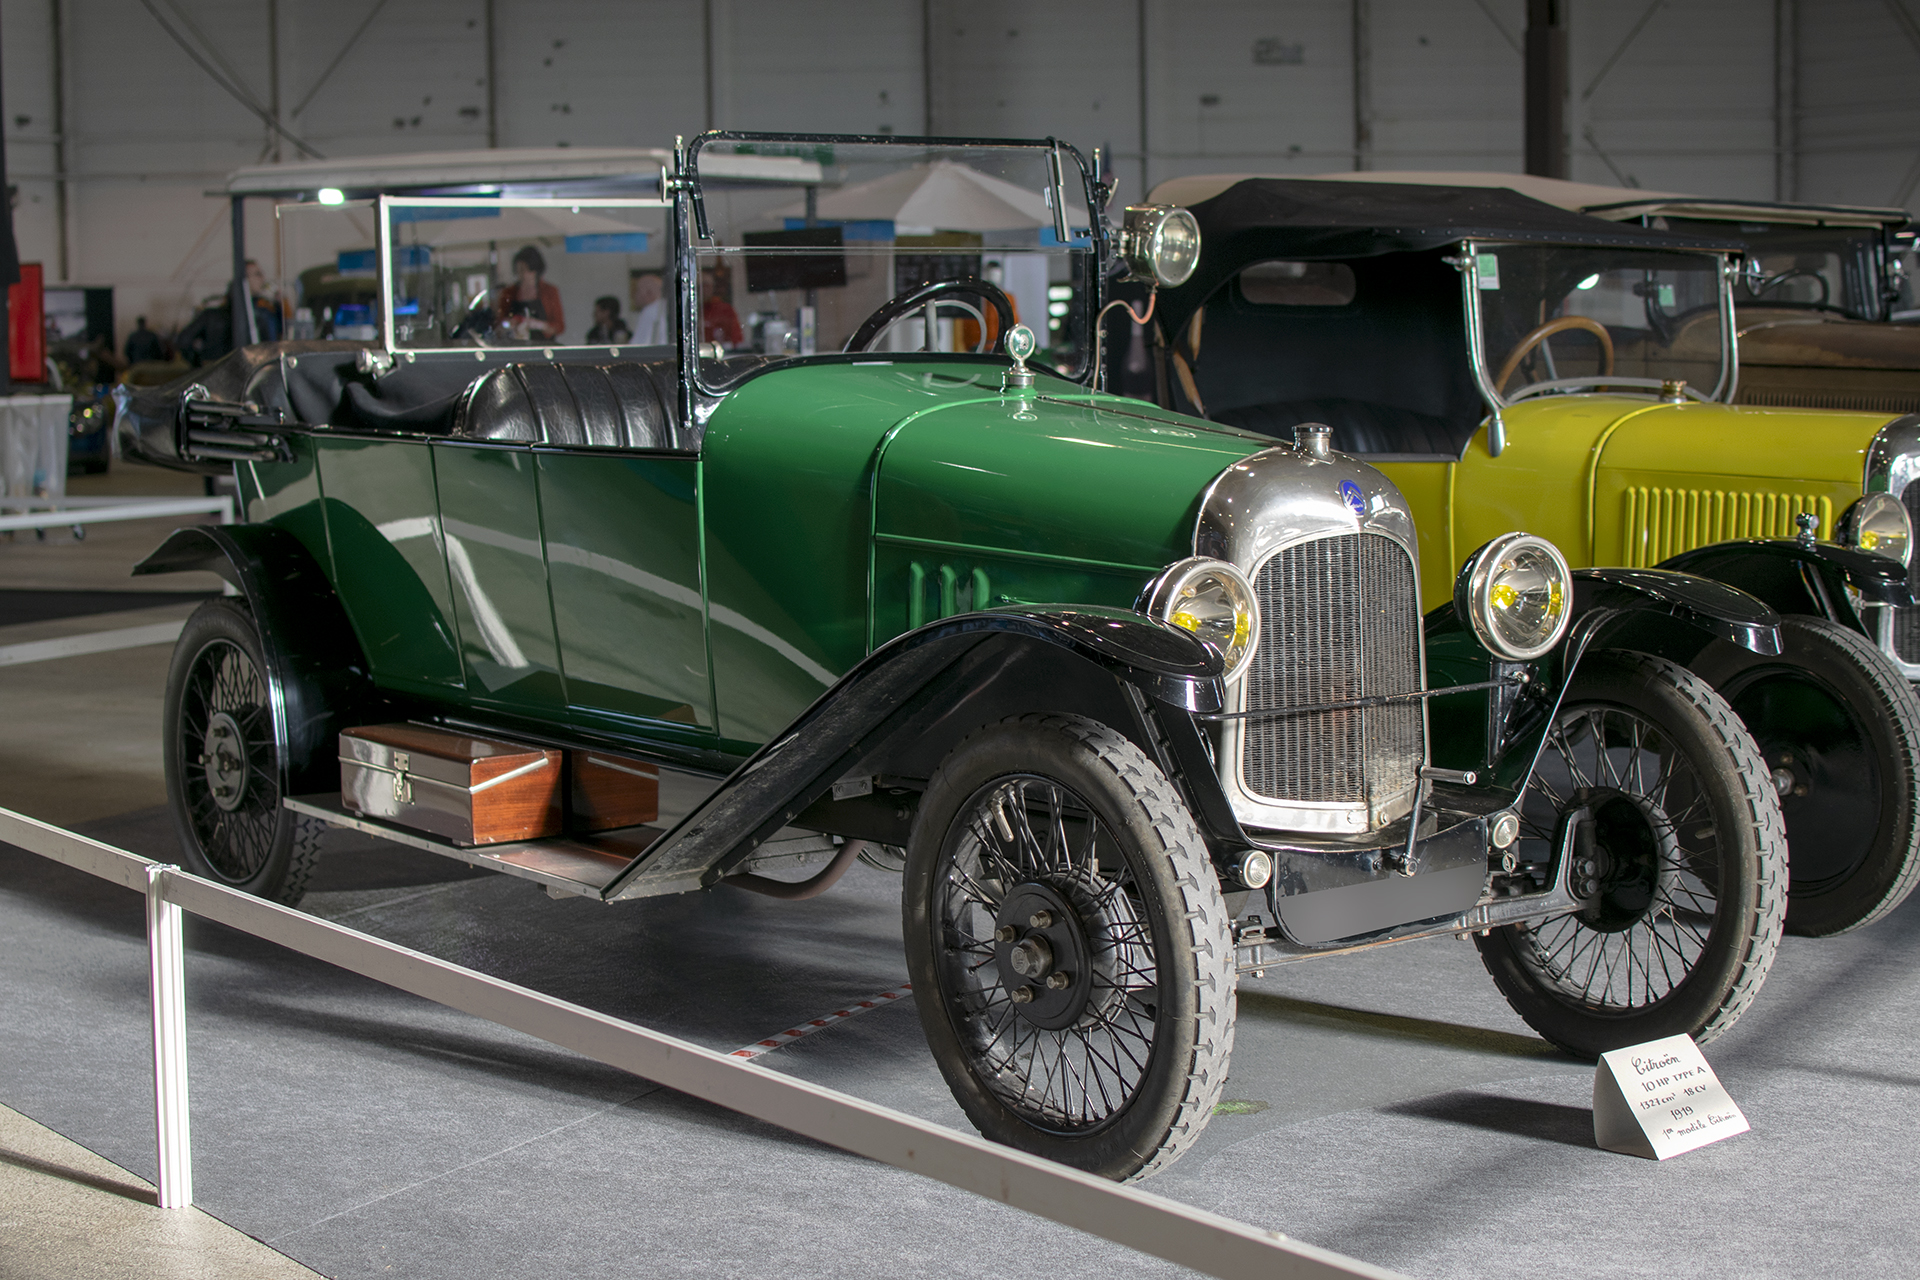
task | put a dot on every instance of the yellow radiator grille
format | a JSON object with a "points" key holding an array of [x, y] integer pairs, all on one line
{"points": [[1658, 523]]}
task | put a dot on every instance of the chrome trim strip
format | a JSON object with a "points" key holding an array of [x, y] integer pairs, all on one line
{"points": [[1476, 348], [1729, 383]]}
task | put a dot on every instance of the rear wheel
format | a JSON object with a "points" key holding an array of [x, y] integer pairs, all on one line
{"points": [[222, 758], [1679, 862], [1069, 946], [1840, 731]]}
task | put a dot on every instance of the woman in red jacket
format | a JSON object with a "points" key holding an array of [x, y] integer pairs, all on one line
{"points": [[529, 308]]}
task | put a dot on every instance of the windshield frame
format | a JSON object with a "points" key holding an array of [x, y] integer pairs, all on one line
{"points": [[693, 230], [1723, 391]]}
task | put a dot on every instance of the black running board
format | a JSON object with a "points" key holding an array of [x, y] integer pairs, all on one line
{"points": [[583, 865]]}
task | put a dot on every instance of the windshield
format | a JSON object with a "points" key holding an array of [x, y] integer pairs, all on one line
{"points": [[1822, 268], [897, 249], [1552, 314], [479, 272]]}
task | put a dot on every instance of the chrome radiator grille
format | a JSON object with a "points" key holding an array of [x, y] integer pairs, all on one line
{"points": [[1340, 619], [1906, 619]]}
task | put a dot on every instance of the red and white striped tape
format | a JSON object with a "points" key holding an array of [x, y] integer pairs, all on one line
{"points": [[812, 1025]]}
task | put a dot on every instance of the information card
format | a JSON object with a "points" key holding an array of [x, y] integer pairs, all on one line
{"points": [[1659, 1099]]}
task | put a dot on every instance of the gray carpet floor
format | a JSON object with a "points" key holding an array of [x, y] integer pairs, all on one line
{"points": [[1388, 1106]]}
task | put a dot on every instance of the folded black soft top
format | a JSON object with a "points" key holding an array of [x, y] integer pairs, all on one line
{"points": [[1320, 220]]}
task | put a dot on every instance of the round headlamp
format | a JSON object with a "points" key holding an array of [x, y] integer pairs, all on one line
{"points": [[1517, 594], [1879, 523], [1160, 243], [1214, 601]]}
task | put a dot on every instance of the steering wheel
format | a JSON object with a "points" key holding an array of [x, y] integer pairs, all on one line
{"points": [[1767, 284], [912, 300], [1547, 330]]}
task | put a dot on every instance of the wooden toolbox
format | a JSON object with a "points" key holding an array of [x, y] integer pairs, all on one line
{"points": [[607, 791], [468, 789]]}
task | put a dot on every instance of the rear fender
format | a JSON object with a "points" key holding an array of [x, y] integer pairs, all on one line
{"points": [[1801, 578], [317, 676], [899, 712]]}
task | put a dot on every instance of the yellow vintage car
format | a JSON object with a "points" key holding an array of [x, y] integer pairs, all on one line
{"points": [[1823, 300], [1511, 364]]}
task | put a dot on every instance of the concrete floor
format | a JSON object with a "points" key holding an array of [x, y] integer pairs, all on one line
{"points": [[1388, 1106], [66, 1212]]}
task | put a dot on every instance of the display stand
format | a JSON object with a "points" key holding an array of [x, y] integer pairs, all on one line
{"points": [[1660, 1099]]}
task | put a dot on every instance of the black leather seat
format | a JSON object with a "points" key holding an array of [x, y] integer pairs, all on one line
{"points": [[1359, 426], [628, 405]]}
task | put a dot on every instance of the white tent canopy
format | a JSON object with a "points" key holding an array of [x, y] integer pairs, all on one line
{"points": [[942, 195], [503, 166]]}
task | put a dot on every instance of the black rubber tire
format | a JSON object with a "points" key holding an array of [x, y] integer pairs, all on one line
{"points": [[1154, 845], [1706, 760], [258, 846], [1831, 711]]}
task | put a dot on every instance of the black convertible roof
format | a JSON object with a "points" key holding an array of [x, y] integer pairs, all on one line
{"points": [[1314, 219]]}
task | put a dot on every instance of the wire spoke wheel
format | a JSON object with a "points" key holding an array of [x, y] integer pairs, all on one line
{"points": [[223, 761], [1068, 946], [227, 740], [1650, 872], [1677, 857], [1066, 1043]]}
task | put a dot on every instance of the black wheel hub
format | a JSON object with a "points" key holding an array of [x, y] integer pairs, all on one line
{"points": [[223, 755], [1040, 948], [1619, 878]]}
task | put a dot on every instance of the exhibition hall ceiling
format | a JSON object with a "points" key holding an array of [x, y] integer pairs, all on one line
{"points": [[1746, 98]]}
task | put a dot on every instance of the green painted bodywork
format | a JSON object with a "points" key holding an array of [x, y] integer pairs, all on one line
{"points": [[703, 602], [1617, 480]]}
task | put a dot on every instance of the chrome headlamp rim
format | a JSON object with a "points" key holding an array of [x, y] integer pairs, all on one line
{"points": [[1863, 522], [1164, 592], [1143, 243], [1473, 594]]}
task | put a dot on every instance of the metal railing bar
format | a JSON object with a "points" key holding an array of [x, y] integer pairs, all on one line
{"points": [[56, 512], [96, 858], [1126, 1215]]}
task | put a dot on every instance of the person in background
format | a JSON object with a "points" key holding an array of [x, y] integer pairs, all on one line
{"points": [[650, 310], [529, 308], [209, 335], [144, 344], [719, 322], [266, 307], [608, 327]]}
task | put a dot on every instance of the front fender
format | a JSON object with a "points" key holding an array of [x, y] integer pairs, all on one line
{"points": [[316, 674], [900, 710], [1629, 597], [1499, 732], [1800, 578]]}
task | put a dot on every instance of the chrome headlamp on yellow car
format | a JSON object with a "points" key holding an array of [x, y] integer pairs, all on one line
{"points": [[1517, 594], [1879, 523], [1214, 601]]}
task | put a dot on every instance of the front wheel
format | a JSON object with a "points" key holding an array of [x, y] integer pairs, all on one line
{"points": [[1680, 863], [1069, 946], [222, 757], [1840, 731]]}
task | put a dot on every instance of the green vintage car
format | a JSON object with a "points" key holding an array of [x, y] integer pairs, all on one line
{"points": [[1143, 700], [1509, 363]]}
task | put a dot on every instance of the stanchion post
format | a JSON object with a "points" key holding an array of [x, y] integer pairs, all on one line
{"points": [[166, 951]]}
